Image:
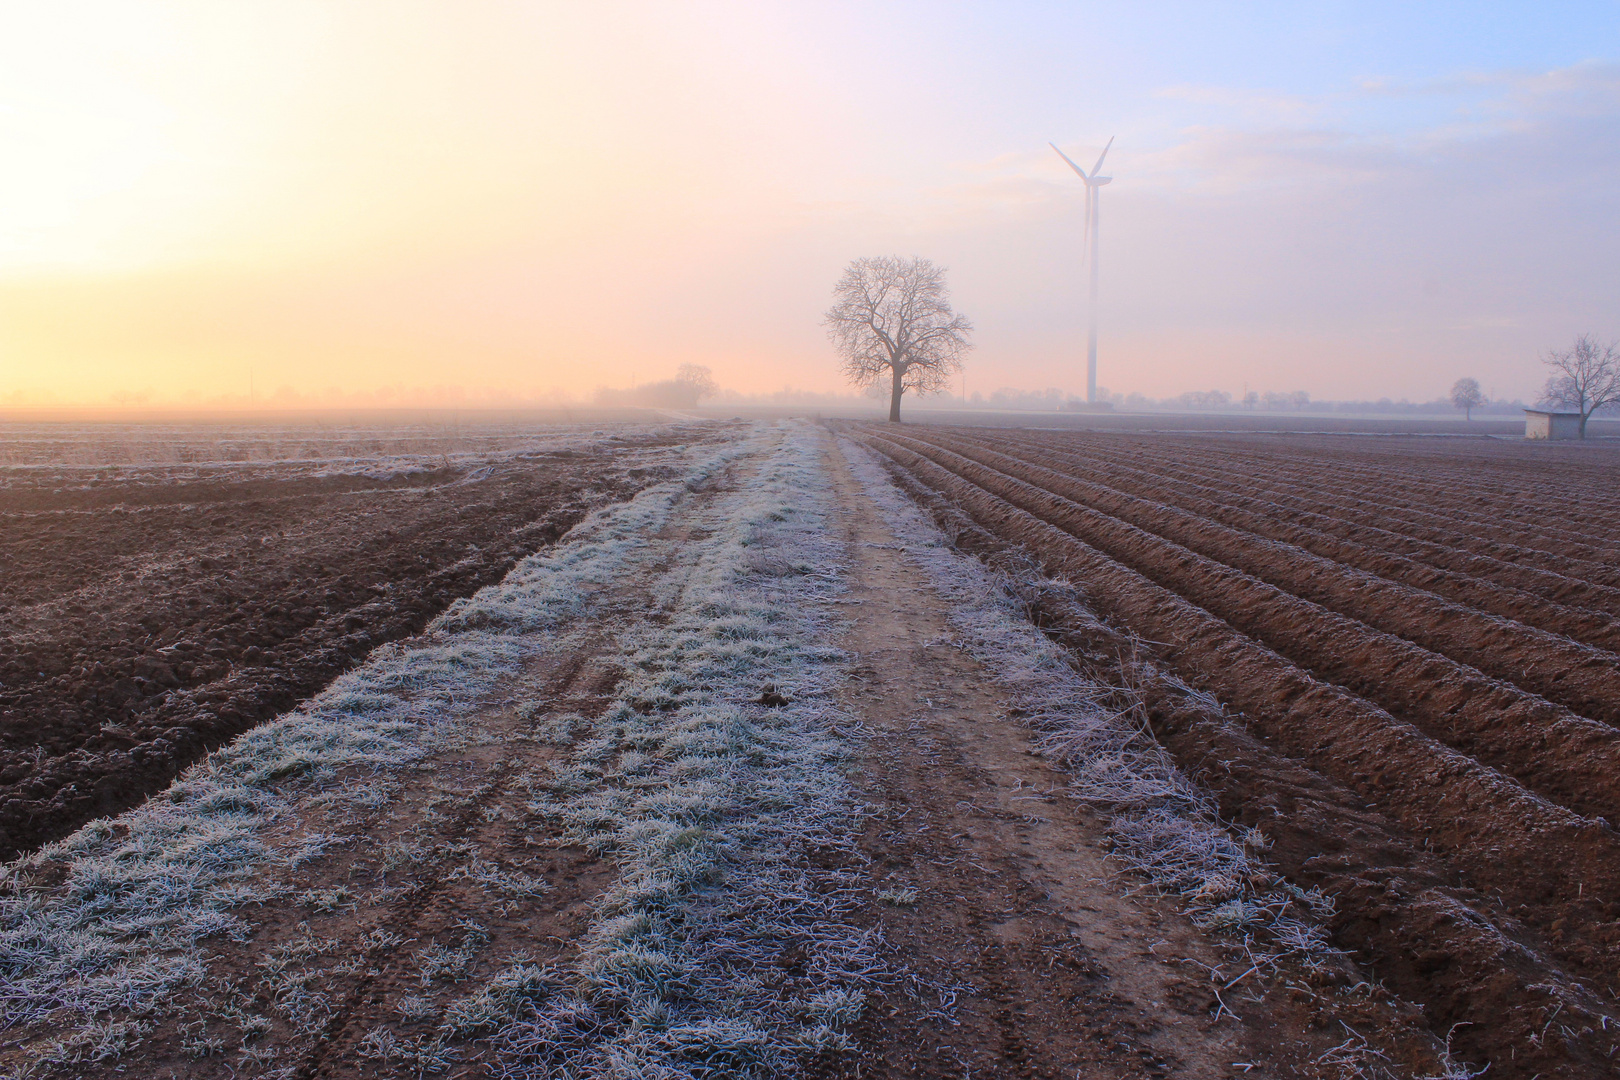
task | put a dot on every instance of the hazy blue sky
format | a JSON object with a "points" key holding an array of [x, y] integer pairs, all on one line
{"points": [[1352, 199]]}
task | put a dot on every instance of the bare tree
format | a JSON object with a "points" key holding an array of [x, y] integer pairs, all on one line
{"points": [[1466, 395], [699, 378], [890, 318], [1585, 377]]}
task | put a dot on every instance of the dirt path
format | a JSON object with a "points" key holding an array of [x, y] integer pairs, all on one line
{"points": [[1033, 959], [627, 808]]}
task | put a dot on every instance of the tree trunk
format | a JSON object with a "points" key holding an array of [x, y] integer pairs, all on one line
{"points": [[1584, 415], [894, 396]]}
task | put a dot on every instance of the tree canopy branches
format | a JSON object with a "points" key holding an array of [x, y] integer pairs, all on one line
{"points": [[1467, 396], [891, 318], [1585, 377]]}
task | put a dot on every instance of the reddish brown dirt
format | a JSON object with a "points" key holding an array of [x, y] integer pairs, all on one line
{"points": [[1584, 678], [1025, 955], [1527, 595], [1468, 521], [466, 800], [1032, 958], [1463, 891], [148, 615], [1568, 758]]}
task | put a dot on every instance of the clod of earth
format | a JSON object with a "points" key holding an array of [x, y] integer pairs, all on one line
{"points": [[772, 698]]}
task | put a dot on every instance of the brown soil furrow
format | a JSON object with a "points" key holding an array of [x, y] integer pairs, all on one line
{"points": [[1422, 477], [1565, 757], [1399, 910], [1579, 609], [1559, 551], [1501, 836], [1526, 501], [1369, 499], [1581, 677], [1441, 529]]}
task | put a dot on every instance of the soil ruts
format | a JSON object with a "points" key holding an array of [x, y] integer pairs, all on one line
{"points": [[1462, 889], [146, 618], [1538, 598], [1565, 757], [1584, 678], [1461, 517], [1029, 959]]}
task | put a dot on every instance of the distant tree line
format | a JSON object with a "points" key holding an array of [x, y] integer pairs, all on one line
{"points": [[692, 383]]}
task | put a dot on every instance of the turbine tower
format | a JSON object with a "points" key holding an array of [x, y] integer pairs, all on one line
{"points": [[1093, 183]]}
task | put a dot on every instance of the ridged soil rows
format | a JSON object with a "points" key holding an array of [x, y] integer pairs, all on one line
{"points": [[1552, 868], [1563, 549], [1582, 678], [1400, 907], [1541, 598]]}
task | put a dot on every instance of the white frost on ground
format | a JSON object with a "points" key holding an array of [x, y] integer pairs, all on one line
{"points": [[714, 782], [731, 821], [1161, 824], [109, 918]]}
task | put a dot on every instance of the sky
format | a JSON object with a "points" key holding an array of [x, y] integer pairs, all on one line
{"points": [[409, 203]]}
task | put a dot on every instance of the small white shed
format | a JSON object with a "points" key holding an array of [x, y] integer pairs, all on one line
{"points": [[1541, 424]]}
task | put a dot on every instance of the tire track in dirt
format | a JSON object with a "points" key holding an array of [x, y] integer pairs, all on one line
{"points": [[1032, 961], [334, 1051]]}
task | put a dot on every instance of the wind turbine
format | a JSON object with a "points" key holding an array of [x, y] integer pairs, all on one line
{"points": [[1093, 183]]}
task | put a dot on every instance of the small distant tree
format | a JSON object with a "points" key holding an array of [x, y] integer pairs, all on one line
{"points": [[1467, 396], [891, 320], [699, 378], [1585, 377]]}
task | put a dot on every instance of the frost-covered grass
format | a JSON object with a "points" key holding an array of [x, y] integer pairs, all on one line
{"points": [[724, 947], [731, 823], [1160, 824], [104, 926]]}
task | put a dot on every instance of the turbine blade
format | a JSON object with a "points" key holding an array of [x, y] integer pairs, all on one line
{"points": [[1091, 193], [1070, 160], [1102, 155]]}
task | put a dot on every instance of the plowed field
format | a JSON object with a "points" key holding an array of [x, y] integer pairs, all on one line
{"points": [[1414, 644], [151, 612]]}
